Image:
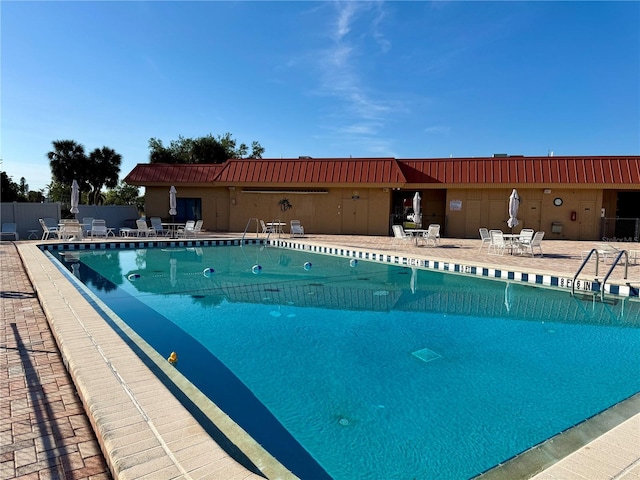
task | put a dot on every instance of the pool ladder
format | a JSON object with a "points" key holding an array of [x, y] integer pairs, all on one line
{"points": [[258, 228], [246, 229], [606, 277]]}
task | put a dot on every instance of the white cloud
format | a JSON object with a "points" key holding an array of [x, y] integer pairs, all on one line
{"points": [[438, 130], [358, 110]]}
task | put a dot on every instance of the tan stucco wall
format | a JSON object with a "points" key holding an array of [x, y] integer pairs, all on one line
{"points": [[365, 211], [339, 211], [488, 208]]}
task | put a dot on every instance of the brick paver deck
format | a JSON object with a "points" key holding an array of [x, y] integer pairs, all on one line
{"points": [[44, 432]]}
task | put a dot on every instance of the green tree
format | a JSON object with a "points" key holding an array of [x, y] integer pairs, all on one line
{"points": [[9, 190], [59, 192], [35, 196], [104, 171], [207, 149], [24, 188], [68, 162], [124, 194]]}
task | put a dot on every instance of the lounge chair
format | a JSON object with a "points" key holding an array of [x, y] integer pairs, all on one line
{"points": [[9, 230], [536, 242], [485, 237], [296, 229], [143, 230], [49, 227], [156, 224], [399, 234], [98, 228], [432, 235]]}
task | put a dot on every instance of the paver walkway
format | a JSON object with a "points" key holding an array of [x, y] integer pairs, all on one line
{"points": [[44, 432]]}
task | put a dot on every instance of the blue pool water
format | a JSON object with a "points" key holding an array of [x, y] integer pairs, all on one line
{"points": [[370, 371]]}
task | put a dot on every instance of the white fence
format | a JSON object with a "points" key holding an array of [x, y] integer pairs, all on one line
{"points": [[26, 215]]}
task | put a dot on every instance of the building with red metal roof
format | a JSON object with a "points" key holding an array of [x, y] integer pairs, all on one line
{"points": [[580, 198]]}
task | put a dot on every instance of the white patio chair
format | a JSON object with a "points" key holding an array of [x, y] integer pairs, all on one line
{"points": [[523, 241], [536, 242], [498, 245], [98, 228], [432, 235], [193, 231], [71, 230], [265, 229], [187, 229], [296, 228], [49, 227], [399, 234], [485, 237], [144, 230]]}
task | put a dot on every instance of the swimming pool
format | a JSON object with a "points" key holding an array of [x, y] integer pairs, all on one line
{"points": [[419, 374]]}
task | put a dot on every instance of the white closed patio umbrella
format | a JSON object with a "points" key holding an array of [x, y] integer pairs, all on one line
{"points": [[417, 218], [75, 197], [172, 201], [514, 204]]}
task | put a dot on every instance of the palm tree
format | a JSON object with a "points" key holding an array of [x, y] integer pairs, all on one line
{"points": [[68, 161], [104, 171]]}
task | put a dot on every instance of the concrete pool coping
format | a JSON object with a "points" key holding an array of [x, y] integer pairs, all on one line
{"points": [[128, 409]]}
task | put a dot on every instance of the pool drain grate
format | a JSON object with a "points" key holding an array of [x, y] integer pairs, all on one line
{"points": [[426, 355]]}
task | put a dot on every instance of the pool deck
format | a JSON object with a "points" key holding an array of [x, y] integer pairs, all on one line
{"points": [[67, 374]]}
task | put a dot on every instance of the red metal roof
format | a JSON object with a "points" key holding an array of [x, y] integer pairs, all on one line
{"points": [[162, 173], [313, 170], [621, 170], [524, 170]]}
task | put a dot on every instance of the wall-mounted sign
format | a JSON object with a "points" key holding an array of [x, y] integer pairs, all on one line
{"points": [[455, 205]]}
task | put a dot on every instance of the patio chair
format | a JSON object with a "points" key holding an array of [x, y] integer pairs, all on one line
{"points": [[87, 222], [485, 237], [536, 242], [156, 224], [49, 227], [399, 234], [265, 229], [432, 235], [296, 228], [98, 228], [143, 230], [523, 240], [191, 229], [9, 230], [71, 230], [187, 229], [498, 245]]}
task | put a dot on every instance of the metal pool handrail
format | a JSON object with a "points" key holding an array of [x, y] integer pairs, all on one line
{"points": [[613, 265], [584, 262], [257, 229]]}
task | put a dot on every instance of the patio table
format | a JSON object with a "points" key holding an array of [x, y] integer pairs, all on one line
{"points": [[173, 228], [416, 233]]}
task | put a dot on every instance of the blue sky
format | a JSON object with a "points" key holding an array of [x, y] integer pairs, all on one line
{"points": [[325, 79]]}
